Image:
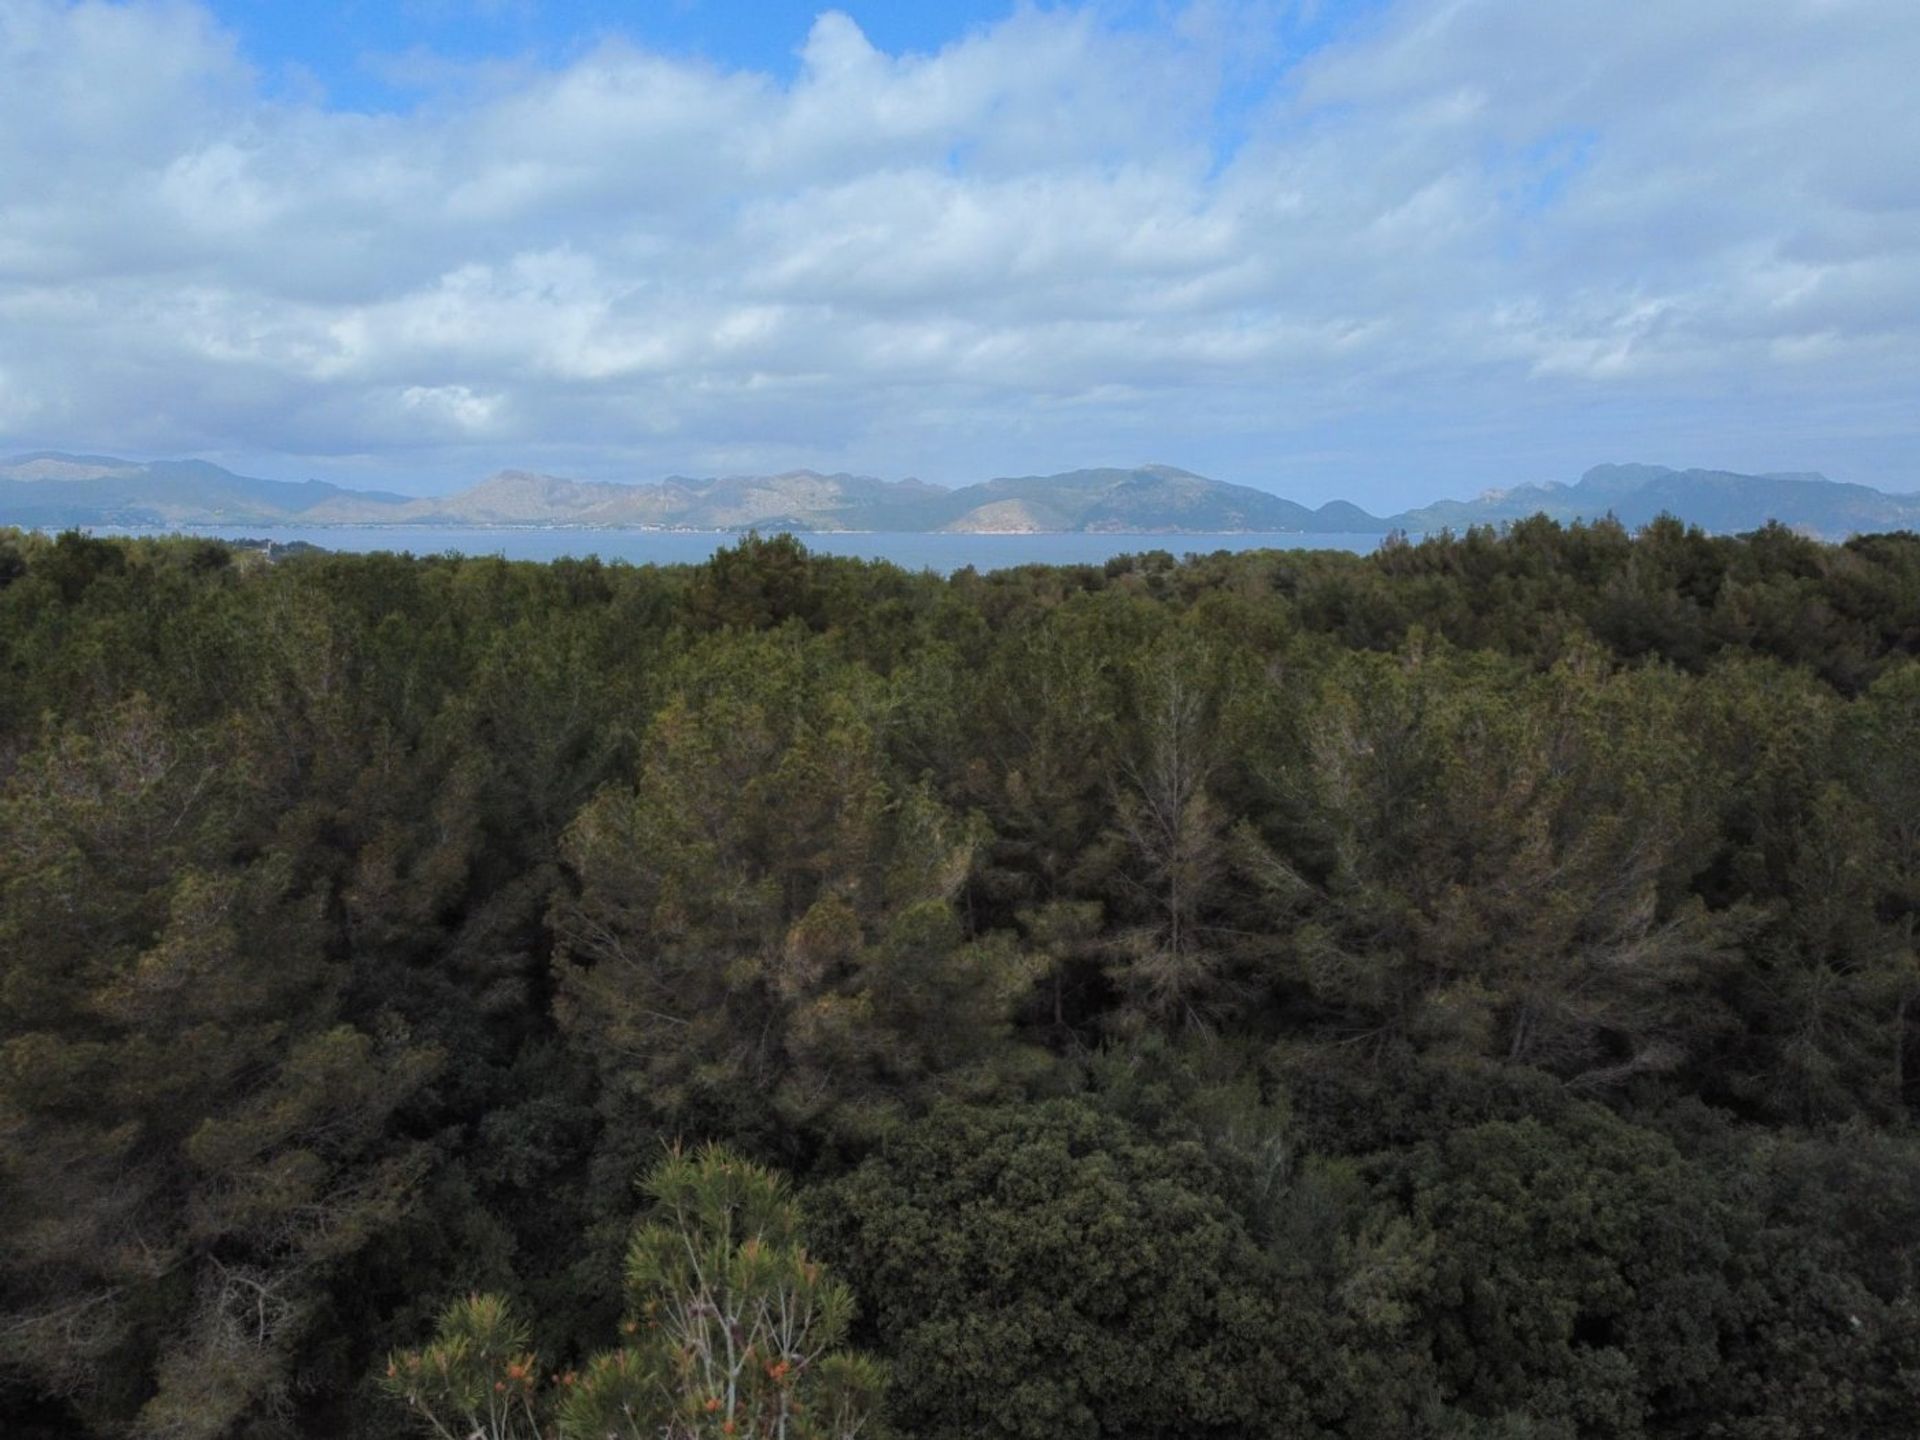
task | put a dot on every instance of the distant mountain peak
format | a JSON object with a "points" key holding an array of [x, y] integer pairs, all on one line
{"points": [[1722, 501], [52, 488], [113, 461], [1625, 476], [53, 465]]}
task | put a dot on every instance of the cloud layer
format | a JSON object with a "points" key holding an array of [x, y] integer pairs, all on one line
{"points": [[1468, 241]]}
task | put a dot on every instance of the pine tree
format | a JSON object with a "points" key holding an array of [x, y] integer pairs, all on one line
{"points": [[733, 1332]]}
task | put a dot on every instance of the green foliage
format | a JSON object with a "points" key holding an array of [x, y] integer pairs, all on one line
{"points": [[763, 932], [732, 1330], [195, 1137], [1472, 989], [1048, 1272], [476, 1379]]}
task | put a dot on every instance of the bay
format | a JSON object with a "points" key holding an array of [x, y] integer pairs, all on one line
{"points": [[942, 553]]}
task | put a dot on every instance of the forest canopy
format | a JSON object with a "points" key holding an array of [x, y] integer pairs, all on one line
{"points": [[1466, 990]]}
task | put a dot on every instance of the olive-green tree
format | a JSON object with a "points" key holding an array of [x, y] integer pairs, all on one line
{"points": [[762, 935], [196, 1137], [732, 1330], [477, 1379], [1047, 1272]]}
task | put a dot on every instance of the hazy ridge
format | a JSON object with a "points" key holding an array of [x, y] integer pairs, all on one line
{"points": [[53, 489]]}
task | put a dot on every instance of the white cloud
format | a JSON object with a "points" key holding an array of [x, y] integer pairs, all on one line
{"points": [[1472, 240], [452, 406]]}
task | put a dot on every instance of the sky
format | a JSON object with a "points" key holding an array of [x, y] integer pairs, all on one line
{"points": [[1383, 250]]}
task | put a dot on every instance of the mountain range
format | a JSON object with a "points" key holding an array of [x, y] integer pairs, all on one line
{"points": [[49, 490]]}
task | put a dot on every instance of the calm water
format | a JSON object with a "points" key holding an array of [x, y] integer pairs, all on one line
{"points": [[941, 553]]}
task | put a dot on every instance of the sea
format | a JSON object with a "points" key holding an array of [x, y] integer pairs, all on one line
{"points": [[940, 553]]}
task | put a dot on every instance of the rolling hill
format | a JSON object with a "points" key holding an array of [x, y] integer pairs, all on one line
{"points": [[50, 490]]}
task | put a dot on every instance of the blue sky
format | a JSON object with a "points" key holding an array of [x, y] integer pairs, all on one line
{"points": [[347, 45], [344, 44], [390, 57], [1380, 249]]}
